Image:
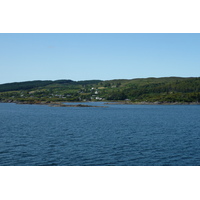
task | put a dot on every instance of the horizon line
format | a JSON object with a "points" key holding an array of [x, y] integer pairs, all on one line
{"points": [[99, 79]]}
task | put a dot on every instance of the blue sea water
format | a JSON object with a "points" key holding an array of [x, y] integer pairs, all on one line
{"points": [[116, 135]]}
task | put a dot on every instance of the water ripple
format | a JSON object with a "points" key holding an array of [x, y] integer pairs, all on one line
{"points": [[120, 135]]}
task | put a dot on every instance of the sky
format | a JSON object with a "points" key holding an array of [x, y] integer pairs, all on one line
{"points": [[104, 56]]}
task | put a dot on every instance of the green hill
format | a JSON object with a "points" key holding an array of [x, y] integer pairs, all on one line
{"points": [[163, 90]]}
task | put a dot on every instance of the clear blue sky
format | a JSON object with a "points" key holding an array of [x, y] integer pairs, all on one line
{"points": [[25, 57]]}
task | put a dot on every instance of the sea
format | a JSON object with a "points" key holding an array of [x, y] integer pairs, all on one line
{"points": [[114, 135]]}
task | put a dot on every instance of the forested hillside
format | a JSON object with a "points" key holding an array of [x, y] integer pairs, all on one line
{"points": [[163, 90]]}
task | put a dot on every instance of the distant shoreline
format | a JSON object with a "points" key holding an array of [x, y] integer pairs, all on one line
{"points": [[61, 104], [57, 104], [152, 103]]}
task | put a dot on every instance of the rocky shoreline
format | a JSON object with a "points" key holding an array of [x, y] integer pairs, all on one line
{"points": [[51, 104], [61, 104], [151, 103], [57, 104]]}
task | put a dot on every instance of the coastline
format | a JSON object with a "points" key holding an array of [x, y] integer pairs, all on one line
{"points": [[152, 103], [61, 104], [51, 104]]}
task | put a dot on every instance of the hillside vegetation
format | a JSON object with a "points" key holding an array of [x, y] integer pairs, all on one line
{"points": [[162, 90]]}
